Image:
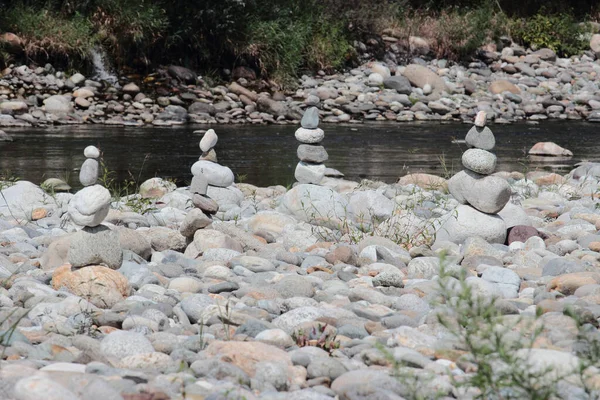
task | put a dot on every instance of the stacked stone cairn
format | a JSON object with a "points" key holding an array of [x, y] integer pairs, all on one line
{"points": [[206, 172], [95, 244], [312, 155], [482, 195]]}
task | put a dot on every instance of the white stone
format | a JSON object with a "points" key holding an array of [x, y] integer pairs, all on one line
{"points": [[91, 152], [309, 136], [465, 222], [217, 175], [209, 140], [88, 175], [90, 206], [309, 173], [480, 161]]}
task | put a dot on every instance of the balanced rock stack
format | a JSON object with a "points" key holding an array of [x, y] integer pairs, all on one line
{"points": [[312, 155], [94, 251], [482, 196], [206, 172]]}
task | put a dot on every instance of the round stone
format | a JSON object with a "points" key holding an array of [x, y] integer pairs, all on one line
{"points": [[91, 152], [310, 136], [312, 154], [310, 119], [88, 175], [480, 161], [309, 173], [481, 138], [209, 140], [90, 206]]}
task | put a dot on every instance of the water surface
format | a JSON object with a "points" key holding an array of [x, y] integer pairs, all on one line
{"points": [[266, 155]]}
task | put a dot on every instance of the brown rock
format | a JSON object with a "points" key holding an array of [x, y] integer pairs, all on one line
{"points": [[341, 254], [594, 246], [38, 214], [567, 284], [549, 149], [520, 233], [11, 42], [502, 85], [242, 91], [425, 181], [205, 203], [100, 285], [246, 355], [549, 179]]}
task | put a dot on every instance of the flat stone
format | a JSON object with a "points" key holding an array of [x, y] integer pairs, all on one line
{"points": [[217, 175], [312, 154], [549, 149], [310, 119], [479, 161], [480, 138], [310, 136], [205, 203], [194, 220]]}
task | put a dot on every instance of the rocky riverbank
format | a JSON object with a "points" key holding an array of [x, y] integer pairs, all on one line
{"points": [[510, 85], [309, 293]]}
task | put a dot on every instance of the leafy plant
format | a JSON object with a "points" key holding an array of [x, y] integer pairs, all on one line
{"points": [[559, 32], [318, 336]]}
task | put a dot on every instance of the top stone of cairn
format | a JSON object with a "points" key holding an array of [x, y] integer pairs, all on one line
{"points": [[209, 140], [310, 119], [91, 152]]}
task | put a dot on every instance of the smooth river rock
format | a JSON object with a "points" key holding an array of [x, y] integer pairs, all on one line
{"points": [[481, 138], [488, 194], [479, 161], [216, 175], [466, 222], [309, 136]]}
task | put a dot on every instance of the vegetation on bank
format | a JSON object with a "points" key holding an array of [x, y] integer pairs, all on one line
{"points": [[279, 39]]}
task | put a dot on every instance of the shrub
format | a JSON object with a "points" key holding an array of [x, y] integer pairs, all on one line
{"points": [[48, 35], [558, 32]]}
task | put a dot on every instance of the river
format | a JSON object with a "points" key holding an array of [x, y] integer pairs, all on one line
{"points": [[266, 155]]}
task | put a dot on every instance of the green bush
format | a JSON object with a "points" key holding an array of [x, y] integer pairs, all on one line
{"points": [[559, 32], [49, 35]]}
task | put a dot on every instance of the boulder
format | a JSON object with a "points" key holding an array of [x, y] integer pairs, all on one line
{"points": [[502, 85], [309, 173], [420, 76], [488, 194], [90, 206], [99, 285], [316, 205], [155, 188], [465, 222], [95, 246], [217, 175], [19, 200], [182, 74], [58, 105], [398, 83], [549, 149]]}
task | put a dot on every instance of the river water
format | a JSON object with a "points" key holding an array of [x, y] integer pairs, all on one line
{"points": [[266, 155]]}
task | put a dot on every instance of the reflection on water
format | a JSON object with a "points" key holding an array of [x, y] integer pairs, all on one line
{"points": [[266, 155]]}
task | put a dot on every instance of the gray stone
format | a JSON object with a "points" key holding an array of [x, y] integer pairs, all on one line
{"points": [[309, 173], [398, 83], [205, 203], [481, 138], [88, 175], [41, 387], [488, 194], [312, 154], [310, 119], [199, 184], [466, 221], [370, 207], [479, 161], [514, 215], [121, 344], [315, 204], [194, 220], [58, 105], [194, 306], [325, 367], [254, 264], [389, 278], [309, 136], [95, 246], [294, 286]]}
